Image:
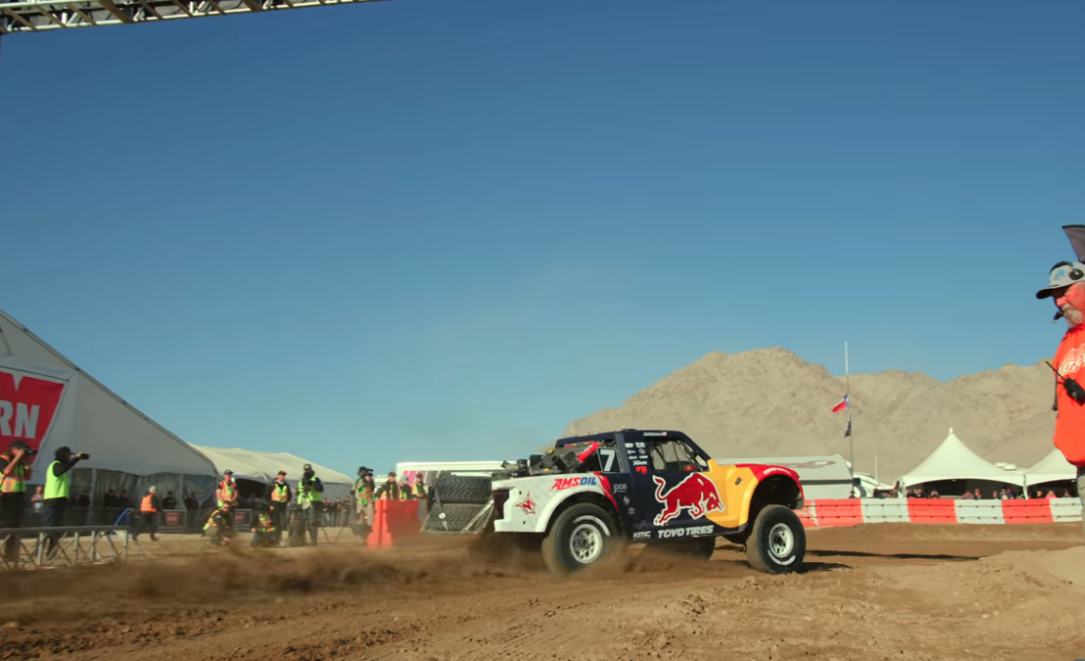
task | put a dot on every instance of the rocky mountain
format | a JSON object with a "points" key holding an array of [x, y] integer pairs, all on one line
{"points": [[770, 402]]}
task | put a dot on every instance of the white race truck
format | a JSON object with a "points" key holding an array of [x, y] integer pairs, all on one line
{"points": [[588, 496]]}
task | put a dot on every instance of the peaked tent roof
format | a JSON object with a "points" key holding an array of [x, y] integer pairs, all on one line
{"points": [[265, 466], [70, 407], [953, 460], [1051, 468]]}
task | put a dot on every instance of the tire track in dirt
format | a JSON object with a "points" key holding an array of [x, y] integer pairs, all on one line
{"points": [[872, 592]]}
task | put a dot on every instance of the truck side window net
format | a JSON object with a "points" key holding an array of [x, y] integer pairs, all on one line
{"points": [[671, 455]]}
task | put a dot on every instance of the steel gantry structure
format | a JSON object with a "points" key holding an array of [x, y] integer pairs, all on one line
{"points": [[42, 15]]}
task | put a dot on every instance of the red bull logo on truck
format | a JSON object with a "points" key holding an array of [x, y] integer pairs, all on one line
{"points": [[695, 493]]}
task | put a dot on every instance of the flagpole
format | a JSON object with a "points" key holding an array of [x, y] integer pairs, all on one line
{"points": [[847, 396]]}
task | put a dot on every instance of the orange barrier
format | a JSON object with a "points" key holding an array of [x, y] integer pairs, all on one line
{"points": [[393, 521], [934, 510], [808, 515], [838, 512], [1027, 511]]}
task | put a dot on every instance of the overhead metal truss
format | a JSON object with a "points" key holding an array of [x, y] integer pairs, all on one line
{"points": [[30, 548], [43, 15]]}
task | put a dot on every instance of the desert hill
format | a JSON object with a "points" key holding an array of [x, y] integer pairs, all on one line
{"points": [[770, 402]]}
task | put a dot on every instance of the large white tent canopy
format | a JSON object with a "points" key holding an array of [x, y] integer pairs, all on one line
{"points": [[953, 460], [264, 467], [49, 402], [1052, 468]]}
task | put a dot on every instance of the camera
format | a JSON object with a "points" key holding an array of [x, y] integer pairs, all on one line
{"points": [[30, 452]]}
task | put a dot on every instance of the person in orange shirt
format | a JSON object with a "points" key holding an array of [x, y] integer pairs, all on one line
{"points": [[1066, 287]]}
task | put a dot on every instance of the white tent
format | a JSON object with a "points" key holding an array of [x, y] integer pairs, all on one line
{"points": [[49, 402], [1052, 468], [264, 467], [953, 460]]}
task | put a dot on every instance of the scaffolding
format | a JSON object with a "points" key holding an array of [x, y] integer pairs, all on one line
{"points": [[39, 548], [44, 15]]}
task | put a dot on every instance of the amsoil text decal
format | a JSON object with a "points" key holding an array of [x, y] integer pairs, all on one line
{"points": [[27, 407]]}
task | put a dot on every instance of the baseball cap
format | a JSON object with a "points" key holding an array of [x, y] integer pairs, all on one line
{"points": [[1062, 275]]}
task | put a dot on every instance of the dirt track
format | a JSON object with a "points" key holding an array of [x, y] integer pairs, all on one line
{"points": [[888, 591]]}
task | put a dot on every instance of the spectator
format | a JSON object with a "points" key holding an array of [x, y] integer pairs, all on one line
{"points": [[169, 502], [148, 514], [1066, 288]]}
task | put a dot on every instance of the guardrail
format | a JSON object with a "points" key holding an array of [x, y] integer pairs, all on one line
{"points": [[854, 511], [61, 546]]}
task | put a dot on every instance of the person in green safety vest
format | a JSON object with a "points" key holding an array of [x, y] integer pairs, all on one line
{"points": [[364, 489], [310, 500], [279, 494], [263, 527], [220, 525], [227, 490], [58, 487], [15, 471], [418, 488], [58, 484], [391, 490]]}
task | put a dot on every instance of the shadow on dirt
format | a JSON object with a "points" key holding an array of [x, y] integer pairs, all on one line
{"points": [[891, 556]]}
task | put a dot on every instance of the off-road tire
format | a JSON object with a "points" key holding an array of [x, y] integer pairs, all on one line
{"points": [[699, 548], [590, 526], [455, 515], [462, 489], [506, 549], [777, 541]]}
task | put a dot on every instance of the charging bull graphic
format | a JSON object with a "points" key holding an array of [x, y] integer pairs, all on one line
{"points": [[695, 493]]}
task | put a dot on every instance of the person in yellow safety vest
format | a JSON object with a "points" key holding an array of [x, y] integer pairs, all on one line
{"points": [[220, 525], [57, 491], [310, 500], [418, 489], [263, 527], [15, 471], [390, 490], [148, 514], [364, 489], [279, 494], [227, 491]]}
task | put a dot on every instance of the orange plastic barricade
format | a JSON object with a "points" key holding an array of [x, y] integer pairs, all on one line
{"points": [[932, 510], [1036, 510], [393, 520], [839, 512], [808, 515]]}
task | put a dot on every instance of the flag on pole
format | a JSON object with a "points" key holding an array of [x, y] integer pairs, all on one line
{"points": [[842, 405]]}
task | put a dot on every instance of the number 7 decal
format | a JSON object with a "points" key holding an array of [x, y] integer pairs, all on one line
{"points": [[607, 455]]}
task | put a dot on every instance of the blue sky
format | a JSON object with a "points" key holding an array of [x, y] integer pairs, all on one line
{"points": [[442, 230]]}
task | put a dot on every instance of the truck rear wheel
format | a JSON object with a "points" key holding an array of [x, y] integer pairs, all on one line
{"points": [[581, 536], [777, 542]]}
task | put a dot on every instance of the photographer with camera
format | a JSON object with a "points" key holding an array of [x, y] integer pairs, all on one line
{"points": [[58, 481], [1066, 287], [15, 471], [363, 491], [279, 495], [58, 484], [310, 501]]}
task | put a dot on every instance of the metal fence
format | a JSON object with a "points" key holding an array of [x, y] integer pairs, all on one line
{"points": [[62, 546]]}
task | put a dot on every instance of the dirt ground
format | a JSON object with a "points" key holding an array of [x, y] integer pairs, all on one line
{"points": [[882, 591]]}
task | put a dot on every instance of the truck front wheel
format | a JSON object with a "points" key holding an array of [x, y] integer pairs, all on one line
{"points": [[581, 536], [777, 542]]}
